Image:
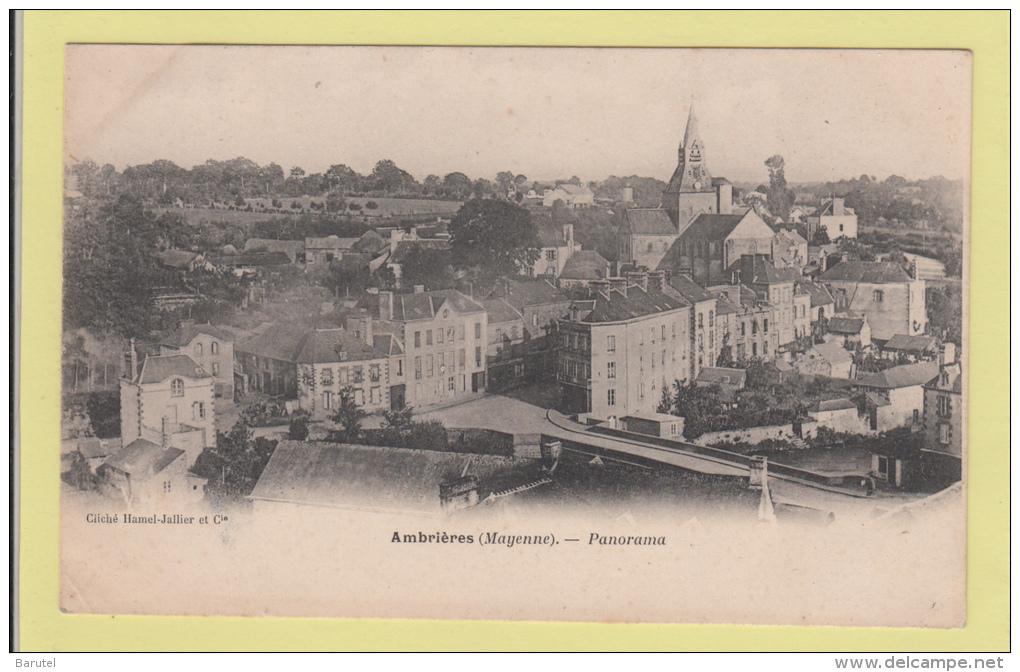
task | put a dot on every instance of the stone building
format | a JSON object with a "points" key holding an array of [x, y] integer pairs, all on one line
{"points": [[893, 302]]}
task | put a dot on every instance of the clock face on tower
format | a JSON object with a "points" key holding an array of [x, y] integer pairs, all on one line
{"points": [[697, 185]]}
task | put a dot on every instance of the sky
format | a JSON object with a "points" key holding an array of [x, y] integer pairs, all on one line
{"points": [[546, 113]]}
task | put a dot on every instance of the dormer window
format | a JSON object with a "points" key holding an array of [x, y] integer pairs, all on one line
{"points": [[176, 387]]}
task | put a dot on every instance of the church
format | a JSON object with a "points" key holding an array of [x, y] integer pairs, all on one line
{"points": [[646, 234]]}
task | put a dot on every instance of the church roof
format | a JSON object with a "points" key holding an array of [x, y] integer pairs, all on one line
{"points": [[649, 222], [708, 226]]}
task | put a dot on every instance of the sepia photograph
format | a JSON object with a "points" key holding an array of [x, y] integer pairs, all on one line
{"points": [[624, 335]]}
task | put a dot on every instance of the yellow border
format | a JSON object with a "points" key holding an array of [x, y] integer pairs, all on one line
{"points": [[45, 628]]}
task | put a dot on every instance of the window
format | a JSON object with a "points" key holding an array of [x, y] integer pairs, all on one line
{"points": [[610, 343], [428, 366], [611, 397], [462, 332], [343, 376], [417, 339], [417, 368], [550, 255], [166, 487], [359, 396], [442, 363], [701, 320], [449, 334], [452, 384], [663, 332], [176, 387], [754, 327], [610, 370], [711, 318], [215, 368], [764, 347], [327, 400], [664, 358], [945, 408], [462, 359], [478, 329], [944, 433], [651, 247], [641, 390], [879, 295], [198, 349], [428, 337], [743, 328], [754, 349], [841, 228], [357, 375], [400, 367], [883, 468], [765, 325], [198, 411], [374, 373], [376, 395], [439, 335], [478, 355], [917, 415], [446, 313], [214, 348], [641, 363], [327, 376]]}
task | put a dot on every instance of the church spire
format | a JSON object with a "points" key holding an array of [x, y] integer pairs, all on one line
{"points": [[691, 133]]}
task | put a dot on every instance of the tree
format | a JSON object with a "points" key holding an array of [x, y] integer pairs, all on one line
{"points": [[432, 185], [348, 416], [821, 237], [387, 177], [344, 179], [297, 172], [457, 185], [298, 430], [780, 197], [492, 238], [504, 180], [401, 420]]}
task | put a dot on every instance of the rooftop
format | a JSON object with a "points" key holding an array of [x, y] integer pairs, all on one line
{"points": [[711, 227], [689, 289], [143, 459], [865, 271], [914, 344], [834, 405], [501, 311], [585, 265], [649, 222], [757, 269], [187, 333], [718, 375], [845, 325], [833, 353], [158, 369], [619, 306], [897, 377]]}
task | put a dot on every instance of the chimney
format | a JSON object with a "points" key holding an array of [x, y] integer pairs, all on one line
{"points": [[419, 289], [837, 206], [134, 360], [639, 278], [386, 306], [619, 284], [657, 280], [600, 286]]}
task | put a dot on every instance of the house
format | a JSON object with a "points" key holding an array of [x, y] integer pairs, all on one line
{"points": [[837, 220], [821, 306], [944, 428], [839, 415], [541, 305], [743, 323], [789, 249], [825, 359], [184, 260], [294, 249], [893, 302], [169, 402], [572, 195], [444, 337], [323, 250], [379, 480], [662, 425], [434, 250], [705, 336], [775, 285], [556, 246], [505, 352], [149, 474], [895, 397], [912, 348], [730, 381], [583, 267], [712, 243], [692, 190], [210, 347], [332, 361], [619, 350], [645, 236], [848, 331]]}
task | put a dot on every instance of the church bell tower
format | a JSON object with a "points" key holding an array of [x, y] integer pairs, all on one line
{"points": [[685, 195]]}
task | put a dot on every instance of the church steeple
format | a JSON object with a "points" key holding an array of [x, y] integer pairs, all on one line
{"points": [[691, 132], [691, 182]]}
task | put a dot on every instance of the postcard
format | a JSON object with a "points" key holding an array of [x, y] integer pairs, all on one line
{"points": [[523, 334]]}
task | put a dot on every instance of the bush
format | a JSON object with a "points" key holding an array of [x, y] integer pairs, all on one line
{"points": [[354, 207], [371, 205], [298, 428]]}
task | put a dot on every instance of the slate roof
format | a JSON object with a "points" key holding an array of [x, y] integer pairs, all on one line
{"points": [[387, 343], [718, 375], [756, 269], [834, 405], [521, 293], [820, 295], [585, 265], [187, 333], [712, 227], [288, 247], [177, 258], [897, 377], [404, 248], [649, 222], [501, 311], [617, 307], [833, 353], [689, 289], [550, 234], [143, 459], [845, 325], [913, 344], [330, 243], [829, 208], [158, 369], [395, 480], [252, 259], [299, 345], [876, 272]]}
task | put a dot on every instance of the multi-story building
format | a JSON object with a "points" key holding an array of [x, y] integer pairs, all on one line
{"points": [[789, 249], [775, 285], [556, 246], [837, 220], [704, 340], [744, 321], [645, 236], [505, 351], [332, 362], [169, 402], [444, 336], [620, 349], [893, 302], [210, 347], [942, 451], [541, 305]]}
